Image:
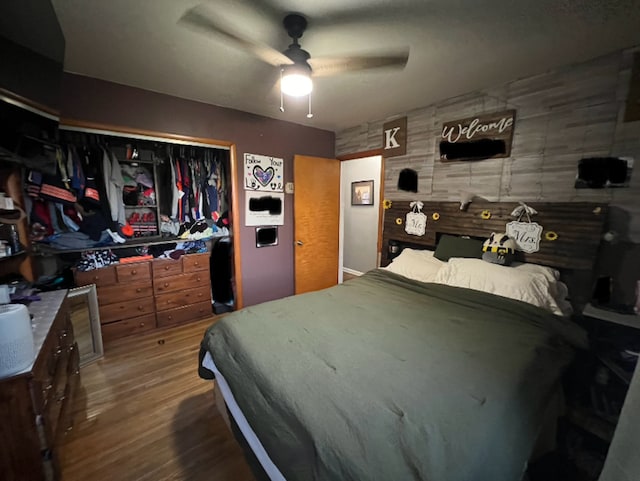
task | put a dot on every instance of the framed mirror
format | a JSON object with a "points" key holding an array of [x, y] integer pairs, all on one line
{"points": [[85, 317]]}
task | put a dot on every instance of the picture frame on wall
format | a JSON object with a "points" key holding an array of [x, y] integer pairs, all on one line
{"points": [[362, 192]]}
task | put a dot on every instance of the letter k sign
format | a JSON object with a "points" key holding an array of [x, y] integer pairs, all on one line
{"points": [[390, 141], [394, 137]]}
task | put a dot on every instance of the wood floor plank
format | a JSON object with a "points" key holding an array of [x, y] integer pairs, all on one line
{"points": [[143, 414]]}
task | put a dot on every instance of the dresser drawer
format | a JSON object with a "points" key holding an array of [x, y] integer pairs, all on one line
{"points": [[182, 298], [105, 276], [185, 314], [138, 271], [126, 309], [50, 384], [65, 423], [124, 328], [195, 262], [124, 292], [166, 267], [181, 282]]}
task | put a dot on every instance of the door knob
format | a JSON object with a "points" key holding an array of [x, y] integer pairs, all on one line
{"points": [[299, 243]]}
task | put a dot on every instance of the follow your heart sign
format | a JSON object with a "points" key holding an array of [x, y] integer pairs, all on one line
{"points": [[263, 173]]}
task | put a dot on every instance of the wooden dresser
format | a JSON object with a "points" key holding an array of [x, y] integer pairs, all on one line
{"points": [[182, 289], [141, 296], [36, 404]]}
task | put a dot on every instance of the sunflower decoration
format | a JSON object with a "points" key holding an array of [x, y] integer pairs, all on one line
{"points": [[551, 235], [399, 220], [387, 204], [486, 214], [435, 216]]}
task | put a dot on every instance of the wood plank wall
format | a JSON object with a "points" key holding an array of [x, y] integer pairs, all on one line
{"points": [[561, 116], [578, 226]]}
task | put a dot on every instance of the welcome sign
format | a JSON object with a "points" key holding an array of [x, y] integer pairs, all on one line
{"points": [[488, 134], [263, 173]]}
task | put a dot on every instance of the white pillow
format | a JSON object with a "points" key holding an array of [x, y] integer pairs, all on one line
{"points": [[419, 265], [548, 272], [525, 285], [559, 290]]}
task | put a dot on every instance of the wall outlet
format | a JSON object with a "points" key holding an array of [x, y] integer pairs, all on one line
{"points": [[288, 188]]}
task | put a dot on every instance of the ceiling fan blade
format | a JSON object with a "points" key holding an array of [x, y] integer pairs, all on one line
{"points": [[326, 66], [203, 20]]}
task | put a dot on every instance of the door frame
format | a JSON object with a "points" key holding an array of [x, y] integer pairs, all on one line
{"points": [[355, 156]]}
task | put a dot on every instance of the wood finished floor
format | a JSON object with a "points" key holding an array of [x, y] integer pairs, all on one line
{"points": [[142, 413]]}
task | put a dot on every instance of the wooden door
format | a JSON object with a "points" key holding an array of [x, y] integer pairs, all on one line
{"points": [[316, 205]]}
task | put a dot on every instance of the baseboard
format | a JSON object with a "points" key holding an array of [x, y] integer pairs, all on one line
{"points": [[351, 271]]}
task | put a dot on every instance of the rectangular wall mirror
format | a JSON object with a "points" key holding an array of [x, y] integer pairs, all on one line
{"points": [[85, 317]]}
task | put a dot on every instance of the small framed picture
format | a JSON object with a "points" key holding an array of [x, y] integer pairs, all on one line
{"points": [[362, 192]]}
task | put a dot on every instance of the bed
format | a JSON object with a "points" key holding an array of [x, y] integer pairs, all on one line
{"points": [[389, 377]]}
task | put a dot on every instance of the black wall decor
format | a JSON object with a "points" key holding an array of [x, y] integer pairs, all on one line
{"points": [[600, 172], [408, 180], [266, 236]]}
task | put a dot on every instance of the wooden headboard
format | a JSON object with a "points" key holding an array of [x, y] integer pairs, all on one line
{"points": [[579, 227]]}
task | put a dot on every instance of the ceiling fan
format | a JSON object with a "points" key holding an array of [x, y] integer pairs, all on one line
{"points": [[296, 64]]}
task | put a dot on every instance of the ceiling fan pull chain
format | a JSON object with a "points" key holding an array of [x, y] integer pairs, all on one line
{"points": [[309, 115], [281, 94]]}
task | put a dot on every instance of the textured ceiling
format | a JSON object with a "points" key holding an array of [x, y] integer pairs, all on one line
{"points": [[456, 46]]}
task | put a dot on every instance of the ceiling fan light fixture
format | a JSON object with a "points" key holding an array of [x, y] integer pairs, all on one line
{"points": [[296, 81]]}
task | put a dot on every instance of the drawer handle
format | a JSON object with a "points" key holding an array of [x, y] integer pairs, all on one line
{"points": [[134, 272], [166, 284], [59, 399], [142, 324], [139, 289], [199, 294], [201, 310], [140, 308], [198, 279], [195, 263], [166, 268], [170, 317], [95, 278]]}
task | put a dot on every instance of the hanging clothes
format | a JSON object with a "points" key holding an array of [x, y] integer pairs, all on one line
{"points": [[114, 183], [174, 192]]}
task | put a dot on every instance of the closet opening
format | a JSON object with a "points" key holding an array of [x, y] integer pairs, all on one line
{"points": [[154, 195]]}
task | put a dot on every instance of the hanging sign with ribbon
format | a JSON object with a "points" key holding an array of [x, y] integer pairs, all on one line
{"points": [[526, 234], [416, 221]]}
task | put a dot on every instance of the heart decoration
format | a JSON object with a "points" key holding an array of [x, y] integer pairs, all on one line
{"points": [[263, 176]]}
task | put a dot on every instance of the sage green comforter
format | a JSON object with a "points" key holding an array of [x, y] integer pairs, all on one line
{"points": [[383, 378]]}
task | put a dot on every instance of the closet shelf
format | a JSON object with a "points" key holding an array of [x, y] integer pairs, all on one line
{"points": [[8, 156], [150, 206], [43, 249]]}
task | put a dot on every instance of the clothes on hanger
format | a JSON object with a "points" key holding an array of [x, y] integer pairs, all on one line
{"points": [[88, 193]]}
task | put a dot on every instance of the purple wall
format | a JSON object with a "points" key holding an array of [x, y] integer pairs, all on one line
{"points": [[29, 74], [267, 273]]}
